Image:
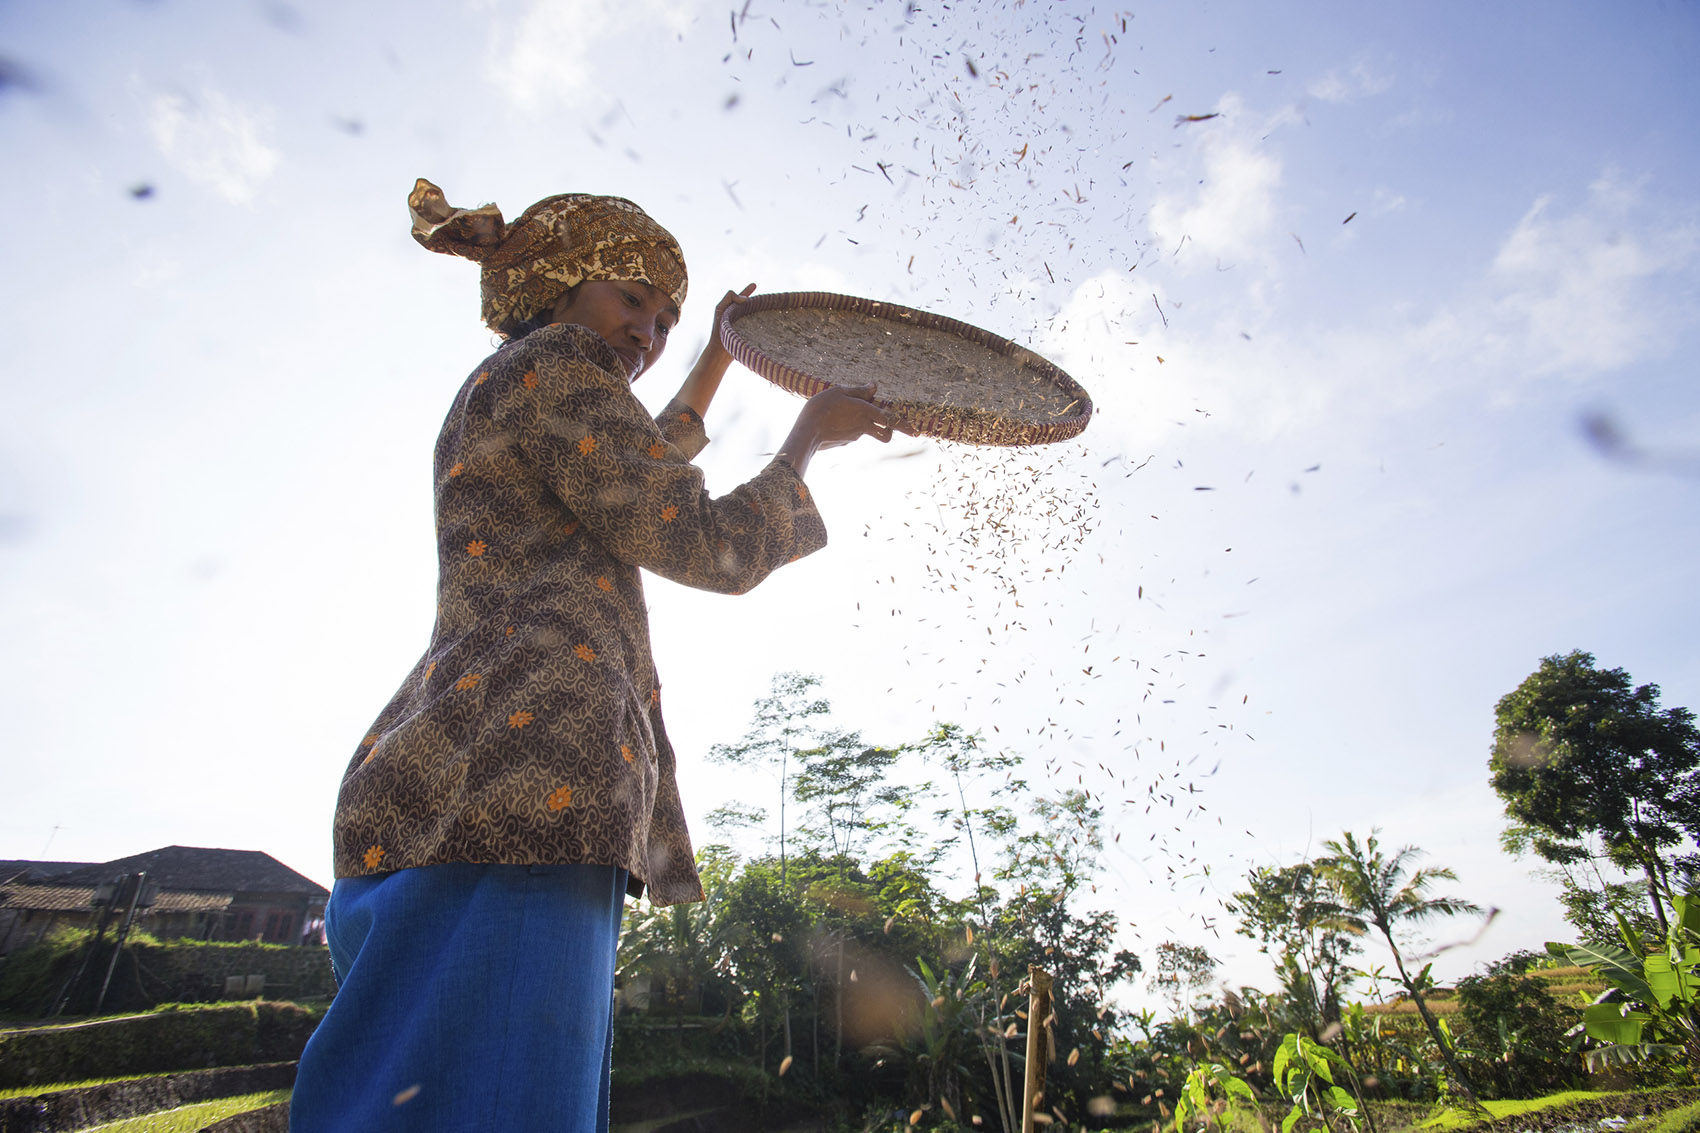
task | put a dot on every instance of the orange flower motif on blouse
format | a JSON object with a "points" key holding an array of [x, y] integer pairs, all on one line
{"points": [[460, 466], [802, 492], [626, 753], [584, 652], [587, 445], [520, 719], [685, 417], [529, 379], [510, 631], [369, 740], [560, 798], [481, 378], [603, 584], [476, 547], [374, 854], [670, 513], [469, 681], [655, 696], [429, 669], [657, 450]]}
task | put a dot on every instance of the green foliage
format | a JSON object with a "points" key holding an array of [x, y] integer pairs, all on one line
{"points": [[1515, 1043], [842, 781], [1208, 1092], [1597, 908], [1580, 753], [174, 1038], [1304, 1074], [1656, 1012], [1292, 911], [787, 721], [849, 967]]}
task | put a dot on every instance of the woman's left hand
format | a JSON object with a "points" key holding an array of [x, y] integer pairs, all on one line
{"points": [[704, 379], [731, 299]]}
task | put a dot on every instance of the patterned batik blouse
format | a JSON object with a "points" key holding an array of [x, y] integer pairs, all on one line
{"points": [[530, 731]]}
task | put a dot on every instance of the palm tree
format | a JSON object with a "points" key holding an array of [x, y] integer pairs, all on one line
{"points": [[1386, 892]]}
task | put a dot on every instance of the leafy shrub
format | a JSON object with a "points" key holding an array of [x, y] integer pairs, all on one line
{"points": [[1515, 1040]]}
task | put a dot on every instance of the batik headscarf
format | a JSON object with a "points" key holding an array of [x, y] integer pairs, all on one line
{"points": [[555, 244]]}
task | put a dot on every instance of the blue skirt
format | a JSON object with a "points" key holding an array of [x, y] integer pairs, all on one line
{"points": [[471, 997]]}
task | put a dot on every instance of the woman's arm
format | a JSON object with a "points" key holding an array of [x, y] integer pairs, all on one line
{"points": [[703, 381]]}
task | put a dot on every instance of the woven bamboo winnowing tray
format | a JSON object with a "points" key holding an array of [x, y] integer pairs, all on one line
{"points": [[938, 377]]}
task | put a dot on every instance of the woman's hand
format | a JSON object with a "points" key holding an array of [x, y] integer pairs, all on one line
{"points": [[834, 417], [703, 381], [728, 301]]}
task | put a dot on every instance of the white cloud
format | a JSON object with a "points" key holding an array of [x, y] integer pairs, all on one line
{"points": [[214, 140], [1565, 294], [1577, 294], [1360, 80], [549, 52], [1229, 209]]}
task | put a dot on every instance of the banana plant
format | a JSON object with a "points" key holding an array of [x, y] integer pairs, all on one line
{"points": [[1655, 1011]]}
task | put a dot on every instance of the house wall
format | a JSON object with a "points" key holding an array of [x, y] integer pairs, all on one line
{"points": [[276, 918]]}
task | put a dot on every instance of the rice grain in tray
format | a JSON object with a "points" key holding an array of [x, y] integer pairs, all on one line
{"points": [[940, 377]]}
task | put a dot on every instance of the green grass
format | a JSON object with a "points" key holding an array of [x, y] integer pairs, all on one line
{"points": [[55, 1087], [190, 1118], [1458, 1118], [1684, 1119]]}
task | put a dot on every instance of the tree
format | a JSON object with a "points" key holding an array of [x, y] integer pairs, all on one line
{"points": [[1184, 972], [843, 780], [1042, 923], [1384, 891], [1580, 753], [1292, 910], [784, 725]]}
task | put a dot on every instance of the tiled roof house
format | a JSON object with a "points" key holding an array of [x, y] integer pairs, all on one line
{"points": [[204, 893]]}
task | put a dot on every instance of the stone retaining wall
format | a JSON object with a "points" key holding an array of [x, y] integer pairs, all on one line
{"points": [[93, 1105]]}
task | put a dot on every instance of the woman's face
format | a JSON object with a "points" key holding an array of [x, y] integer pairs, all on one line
{"points": [[634, 317]]}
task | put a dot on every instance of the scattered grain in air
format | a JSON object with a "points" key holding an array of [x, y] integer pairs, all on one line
{"points": [[1074, 1056], [915, 1118], [784, 1065], [406, 1095]]}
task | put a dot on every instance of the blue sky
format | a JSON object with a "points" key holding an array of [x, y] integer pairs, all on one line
{"points": [[1368, 305]]}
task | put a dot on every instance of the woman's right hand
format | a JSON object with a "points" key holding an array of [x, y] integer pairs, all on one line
{"points": [[833, 417]]}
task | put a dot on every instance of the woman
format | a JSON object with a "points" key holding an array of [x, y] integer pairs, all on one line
{"points": [[520, 782]]}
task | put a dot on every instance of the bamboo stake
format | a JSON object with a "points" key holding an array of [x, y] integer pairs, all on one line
{"points": [[1038, 1044]]}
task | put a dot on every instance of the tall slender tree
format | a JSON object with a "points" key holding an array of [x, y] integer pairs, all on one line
{"points": [[843, 782], [1384, 891], [789, 720]]}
